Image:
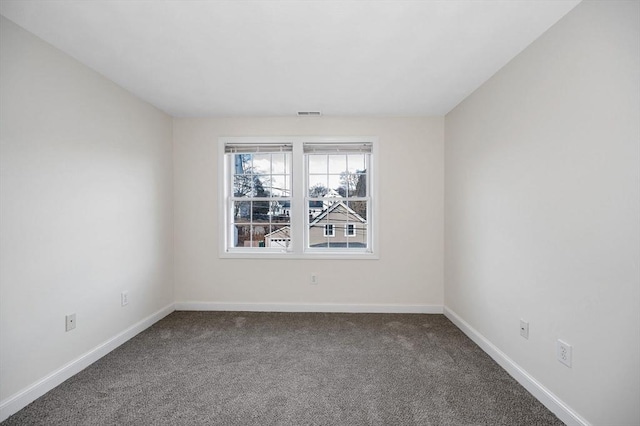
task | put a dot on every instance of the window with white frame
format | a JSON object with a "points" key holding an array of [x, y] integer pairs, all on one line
{"points": [[338, 195], [258, 195], [297, 197]]}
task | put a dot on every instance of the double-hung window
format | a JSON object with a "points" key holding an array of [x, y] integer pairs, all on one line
{"points": [[297, 197], [338, 196], [258, 196]]}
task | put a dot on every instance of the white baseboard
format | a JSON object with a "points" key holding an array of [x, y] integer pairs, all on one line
{"points": [[16, 402], [309, 307], [20, 400], [542, 394]]}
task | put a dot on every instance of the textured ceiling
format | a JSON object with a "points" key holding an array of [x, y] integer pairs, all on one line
{"points": [[226, 58]]}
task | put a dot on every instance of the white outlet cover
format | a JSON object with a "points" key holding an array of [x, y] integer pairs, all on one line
{"points": [[124, 298], [563, 352], [524, 329], [70, 322]]}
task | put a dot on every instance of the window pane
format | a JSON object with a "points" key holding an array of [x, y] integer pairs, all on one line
{"points": [[261, 184], [317, 220], [242, 164], [316, 236], [287, 164], [260, 211], [337, 163], [357, 163], [335, 184], [242, 236], [281, 211], [348, 183], [254, 221], [356, 184], [317, 185], [280, 185], [262, 175], [317, 163], [242, 211], [257, 235], [359, 238], [261, 164], [280, 164], [279, 237], [337, 225], [315, 209], [359, 211], [242, 186]]}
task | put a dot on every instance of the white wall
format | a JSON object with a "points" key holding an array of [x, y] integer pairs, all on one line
{"points": [[86, 209], [410, 268], [542, 204], [542, 209]]}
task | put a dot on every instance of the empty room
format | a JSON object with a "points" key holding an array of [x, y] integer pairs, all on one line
{"points": [[308, 212]]}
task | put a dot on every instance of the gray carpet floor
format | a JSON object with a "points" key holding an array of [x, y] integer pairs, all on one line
{"points": [[247, 368]]}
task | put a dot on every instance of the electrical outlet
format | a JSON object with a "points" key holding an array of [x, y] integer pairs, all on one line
{"points": [[124, 298], [524, 329], [70, 322], [314, 279], [563, 352]]}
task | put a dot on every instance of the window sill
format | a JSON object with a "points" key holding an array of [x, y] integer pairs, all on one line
{"points": [[334, 255]]}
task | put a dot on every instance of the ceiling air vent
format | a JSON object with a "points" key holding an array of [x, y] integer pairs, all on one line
{"points": [[309, 113]]}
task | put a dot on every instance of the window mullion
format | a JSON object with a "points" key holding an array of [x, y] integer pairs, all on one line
{"points": [[298, 210]]}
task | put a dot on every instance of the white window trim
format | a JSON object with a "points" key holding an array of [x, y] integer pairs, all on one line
{"points": [[298, 210]]}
